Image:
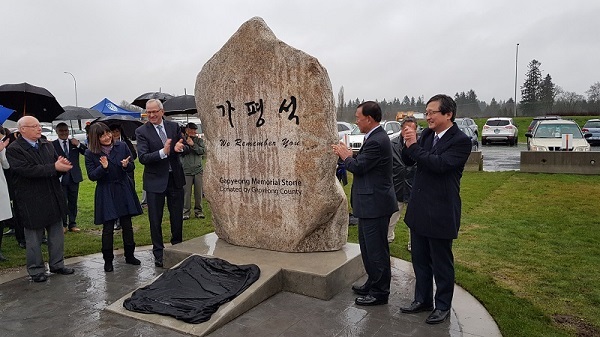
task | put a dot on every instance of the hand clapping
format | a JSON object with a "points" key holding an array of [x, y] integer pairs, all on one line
{"points": [[125, 161], [104, 162]]}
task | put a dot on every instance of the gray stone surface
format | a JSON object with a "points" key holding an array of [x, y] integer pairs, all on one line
{"points": [[269, 119], [74, 305]]}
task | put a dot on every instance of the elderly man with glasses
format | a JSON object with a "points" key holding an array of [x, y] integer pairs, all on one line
{"points": [[38, 196]]}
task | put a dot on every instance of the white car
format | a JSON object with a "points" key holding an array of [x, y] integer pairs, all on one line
{"points": [[356, 138], [344, 128], [548, 136], [500, 129]]}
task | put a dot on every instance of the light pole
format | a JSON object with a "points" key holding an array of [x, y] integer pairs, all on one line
{"points": [[74, 80], [516, 72]]}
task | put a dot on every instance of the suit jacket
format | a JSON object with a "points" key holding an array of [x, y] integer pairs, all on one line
{"points": [[156, 170], [38, 197], [74, 175], [373, 194], [434, 206]]}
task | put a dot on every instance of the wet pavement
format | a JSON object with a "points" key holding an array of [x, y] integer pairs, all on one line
{"points": [[500, 157], [73, 305]]}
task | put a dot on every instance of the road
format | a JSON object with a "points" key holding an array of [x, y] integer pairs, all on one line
{"points": [[498, 157]]}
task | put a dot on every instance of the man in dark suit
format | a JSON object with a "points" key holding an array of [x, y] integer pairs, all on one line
{"points": [[159, 146], [70, 149], [38, 197], [433, 213], [373, 201]]}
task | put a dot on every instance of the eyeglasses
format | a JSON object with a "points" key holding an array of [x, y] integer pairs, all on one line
{"points": [[32, 126], [153, 111], [430, 112]]}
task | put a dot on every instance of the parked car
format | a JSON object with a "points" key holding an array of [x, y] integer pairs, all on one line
{"points": [[392, 128], [540, 118], [592, 126], [500, 129], [472, 136], [548, 134], [356, 138], [468, 122], [344, 128]]}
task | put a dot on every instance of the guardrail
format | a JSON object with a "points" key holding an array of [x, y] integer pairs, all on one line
{"points": [[560, 162]]}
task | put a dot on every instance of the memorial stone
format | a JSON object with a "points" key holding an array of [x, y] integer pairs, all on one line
{"points": [[268, 117]]}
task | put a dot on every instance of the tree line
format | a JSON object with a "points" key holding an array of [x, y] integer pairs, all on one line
{"points": [[539, 97]]}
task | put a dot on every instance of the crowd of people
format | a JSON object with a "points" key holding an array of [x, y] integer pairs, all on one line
{"points": [[38, 172], [422, 175]]}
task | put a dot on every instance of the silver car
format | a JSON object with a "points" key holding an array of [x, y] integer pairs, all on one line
{"points": [[592, 126]]}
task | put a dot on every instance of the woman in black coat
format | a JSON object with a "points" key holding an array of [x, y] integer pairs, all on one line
{"points": [[108, 163]]}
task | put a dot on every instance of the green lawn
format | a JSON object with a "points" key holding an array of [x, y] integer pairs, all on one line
{"points": [[528, 248]]}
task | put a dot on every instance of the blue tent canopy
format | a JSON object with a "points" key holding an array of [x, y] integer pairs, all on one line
{"points": [[5, 113], [109, 108]]}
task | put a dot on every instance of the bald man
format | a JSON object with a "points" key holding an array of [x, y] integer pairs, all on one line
{"points": [[38, 197]]}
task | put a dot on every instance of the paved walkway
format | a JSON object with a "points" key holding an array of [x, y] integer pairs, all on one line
{"points": [[73, 305]]}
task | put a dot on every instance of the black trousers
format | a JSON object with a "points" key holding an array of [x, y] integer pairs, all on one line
{"points": [[375, 252], [108, 229], [156, 205], [71, 194], [433, 259]]}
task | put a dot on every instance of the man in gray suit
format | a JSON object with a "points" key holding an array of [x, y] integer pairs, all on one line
{"points": [[373, 201], [159, 146]]}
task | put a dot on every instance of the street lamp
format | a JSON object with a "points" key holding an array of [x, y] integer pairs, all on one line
{"points": [[74, 80], [516, 72]]}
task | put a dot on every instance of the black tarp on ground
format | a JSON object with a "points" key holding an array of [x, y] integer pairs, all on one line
{"points": [[194, 290]]}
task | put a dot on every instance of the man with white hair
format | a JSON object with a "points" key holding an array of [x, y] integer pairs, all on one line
{"points": [[39, 198]]}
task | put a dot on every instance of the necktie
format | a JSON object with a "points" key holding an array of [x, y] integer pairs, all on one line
{"points": [[161, 134], [65, 147], [35, 145], [435, 140]]}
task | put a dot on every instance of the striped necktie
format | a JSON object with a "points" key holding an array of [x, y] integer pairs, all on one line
{"points": [[435, 140], [162, 134]]}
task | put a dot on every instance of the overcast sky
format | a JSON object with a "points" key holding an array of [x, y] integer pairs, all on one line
{"points": [[374, 49]]}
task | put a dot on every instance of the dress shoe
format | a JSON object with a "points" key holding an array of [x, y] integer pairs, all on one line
{"points": [[9, 232], [437, 316], [74, 229], [63, 271], [108, 266], [41, 277], [360, 290], [186, 217], [415, 307], [22, 245], [132, 260], [200, 216], [370, 300], [158, 264]]}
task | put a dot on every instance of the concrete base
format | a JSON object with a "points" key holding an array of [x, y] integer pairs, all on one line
{"points": [[560, 162], [320, 275], [474, 162]]}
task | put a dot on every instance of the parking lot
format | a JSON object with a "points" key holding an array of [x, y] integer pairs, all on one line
{"points": [[500, 157]]}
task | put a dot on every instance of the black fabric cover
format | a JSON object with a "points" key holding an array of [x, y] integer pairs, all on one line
{"points": [[194, 290]]}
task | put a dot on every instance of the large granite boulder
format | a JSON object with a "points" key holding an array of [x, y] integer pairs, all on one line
{"points": [[268, 117]]}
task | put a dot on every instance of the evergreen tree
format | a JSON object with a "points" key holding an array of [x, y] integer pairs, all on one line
{"points": [[341, 104], [530, 90], [547, 93]]}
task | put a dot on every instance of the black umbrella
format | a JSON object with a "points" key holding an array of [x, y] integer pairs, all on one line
{"points": [[141, 101], [185, 104], [79, 113], [29, 100], [127, 123]]}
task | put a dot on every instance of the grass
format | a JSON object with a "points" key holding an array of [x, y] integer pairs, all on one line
{"points": [[528, 248]]}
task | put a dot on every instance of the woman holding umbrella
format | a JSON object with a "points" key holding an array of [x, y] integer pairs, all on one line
{"points": [[108, 163]]}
